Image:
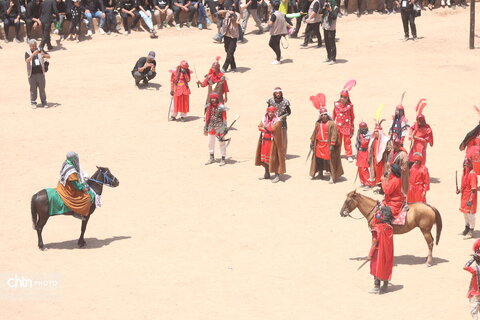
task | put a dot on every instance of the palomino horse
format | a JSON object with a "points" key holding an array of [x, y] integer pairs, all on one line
{"points": [[40, 205], [419, 215]]}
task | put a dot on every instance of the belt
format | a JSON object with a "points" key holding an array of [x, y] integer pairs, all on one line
{"points": [[322, 140], [362, 149], [267, 139]]}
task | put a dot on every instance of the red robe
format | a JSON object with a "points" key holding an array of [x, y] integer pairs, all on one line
{"points": [[266, 149], [344, 117], [473, 152], [362, 160], [381, 264], [469, 183], [473, 289], [377, 166], [322, 150], [419, 182], [424, 136], [181, 91], [394, 197]]}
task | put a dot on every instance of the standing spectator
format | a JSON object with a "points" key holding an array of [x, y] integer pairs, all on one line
{"points": [[201, 14], [183, 5], [111, 21], [62, 16], [163, 14], [144, 69], [329, 24], [250, 8], [145, 10], [230, 35], [94, 9], [303, 6], [35, 59], [278, 28], [468, 204], [48, 9], [76, 14], [12, 17], [263, 10], [408, 16], [313, 19], [128, 8], [32, 17]]}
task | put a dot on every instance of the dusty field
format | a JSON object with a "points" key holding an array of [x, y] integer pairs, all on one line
{"points": [[179, 240]]}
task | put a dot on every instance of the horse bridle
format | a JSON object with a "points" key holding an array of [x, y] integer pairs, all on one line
{"points": [[377, 204], [106, 179]]}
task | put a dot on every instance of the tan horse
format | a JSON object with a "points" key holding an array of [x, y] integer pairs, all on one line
{"points": [[419, 215]]}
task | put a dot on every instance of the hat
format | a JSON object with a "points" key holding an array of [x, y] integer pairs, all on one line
{"points": [[184, 64], [214, 95], [396, 170], [272, 109], [75, 0], [417, 156], [151, 54], [399, 107], [344, 93], [277, 89], [363, 125], [323, 111], [476, 245]]}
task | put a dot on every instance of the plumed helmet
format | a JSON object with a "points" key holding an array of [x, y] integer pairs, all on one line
{"points": [[214, 95], [323, 111], [400, 107], [417, 156], [345, 94], [363, 125], [184, 64]]}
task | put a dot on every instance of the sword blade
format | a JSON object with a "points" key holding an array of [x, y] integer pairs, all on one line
{"points": [[361, 266]]}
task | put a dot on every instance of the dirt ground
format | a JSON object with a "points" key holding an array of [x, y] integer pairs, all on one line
{"points": [[181, 240]]}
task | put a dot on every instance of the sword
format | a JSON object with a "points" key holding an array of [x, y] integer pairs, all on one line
{"points": [[456, 181], [170, 108], [403, 96], [308, 155], [196, 77], [222, 138], [364, 263]]}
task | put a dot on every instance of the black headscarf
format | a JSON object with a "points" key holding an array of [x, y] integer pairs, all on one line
{"points": [[396, 170]]}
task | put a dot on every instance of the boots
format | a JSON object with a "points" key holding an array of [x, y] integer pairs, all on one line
{"points": [[376, 287], [464, 233], [469, 234], [222, 162], [267, 172], [211, 160], [384, 287]]}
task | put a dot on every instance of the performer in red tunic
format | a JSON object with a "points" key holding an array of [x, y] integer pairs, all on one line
{"points": [[363, 139], [419, 180], [180, 90], [377, 153], [421, 133], [399, 127], [344, 117], [392, 186], [473, 291], [468, 204], [215, 127], [381, 251], [471, 143], [216, 82]]}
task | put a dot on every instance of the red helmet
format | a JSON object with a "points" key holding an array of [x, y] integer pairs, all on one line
{"points": [[184, 64], [272, 109], [345, 94], [476, 246], [214, 95], [363, 125], [323, 110], [400, 107], [417, 156]]}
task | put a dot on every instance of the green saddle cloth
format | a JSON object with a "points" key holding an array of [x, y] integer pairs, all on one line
{"points": [[55, 202]]}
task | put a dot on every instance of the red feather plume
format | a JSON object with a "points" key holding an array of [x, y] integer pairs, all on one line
{"points": [[349, 85], [217, 58], [420, 106], [476, 109], [318, 100]]}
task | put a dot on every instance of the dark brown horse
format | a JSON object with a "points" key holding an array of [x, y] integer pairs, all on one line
{"points": [[419, 215], [40, 206]]}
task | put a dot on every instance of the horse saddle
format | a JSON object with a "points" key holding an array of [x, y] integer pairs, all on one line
{"points": [[400, 219]]}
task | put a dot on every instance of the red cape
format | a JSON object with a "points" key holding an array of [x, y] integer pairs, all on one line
{"points": [[382, 261]]}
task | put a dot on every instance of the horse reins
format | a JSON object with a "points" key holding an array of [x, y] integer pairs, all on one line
{"points": [[368, 214], [106, 179]]}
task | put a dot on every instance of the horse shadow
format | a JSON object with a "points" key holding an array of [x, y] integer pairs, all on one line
{"points": [[434, 180], [91, 243], [414, 260], [291, 156]]}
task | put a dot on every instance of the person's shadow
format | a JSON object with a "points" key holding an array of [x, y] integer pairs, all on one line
{"points": [[150, 86]]}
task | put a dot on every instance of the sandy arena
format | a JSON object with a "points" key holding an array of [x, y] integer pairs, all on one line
{"points": [[181, 240]]}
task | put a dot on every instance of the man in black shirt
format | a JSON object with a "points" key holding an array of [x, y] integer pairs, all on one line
{"points": [[163, 13], [144, 69], [12, 17], [48, 9], [62, 16], [36, 64], [32, 17], [110, 21], [94, 9], [183, 5], [128, 8]]}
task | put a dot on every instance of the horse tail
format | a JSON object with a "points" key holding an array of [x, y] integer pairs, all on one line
{"points": [[438, 222], [34, 211]]}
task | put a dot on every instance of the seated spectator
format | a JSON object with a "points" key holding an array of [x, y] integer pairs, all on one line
{"points": [[145, 10], [76, 15], [33, 17], [201, 14], [12, 17], [62, 17], [182, 5], [94, 9], [111, 22], [144, 69], [163, 14], [128, 8]]}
